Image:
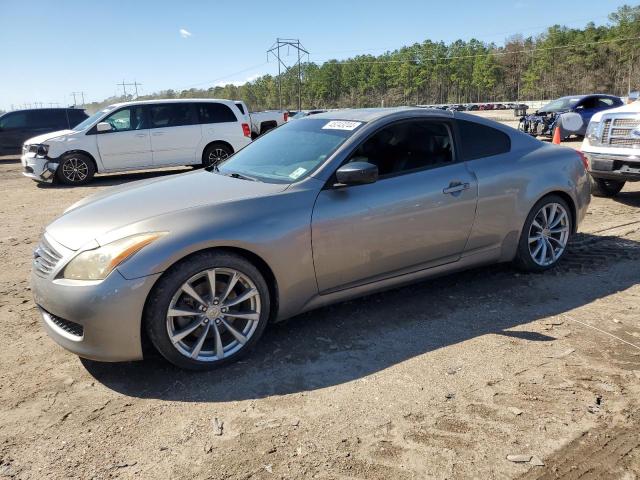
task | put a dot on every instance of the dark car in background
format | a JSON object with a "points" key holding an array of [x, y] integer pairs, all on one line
{"points": [[20, 125], [583, 107]]}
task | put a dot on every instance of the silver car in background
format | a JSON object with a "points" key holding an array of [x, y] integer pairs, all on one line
{"points": [[330, 207]]}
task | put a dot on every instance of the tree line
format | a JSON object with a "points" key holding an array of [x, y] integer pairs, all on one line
{"points": [[560, 61]]}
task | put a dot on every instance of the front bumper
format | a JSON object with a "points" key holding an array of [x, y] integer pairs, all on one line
{"points": [[40, 169], [95, 320], [614, 167]]}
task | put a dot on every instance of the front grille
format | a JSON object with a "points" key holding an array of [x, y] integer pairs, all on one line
{"points": [[626, 122], [617, 132], [606, 128], [71, 328], [625, 142], [45, 258]]}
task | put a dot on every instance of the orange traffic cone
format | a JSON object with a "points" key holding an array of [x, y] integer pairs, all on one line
{"points": [[556, 136]]}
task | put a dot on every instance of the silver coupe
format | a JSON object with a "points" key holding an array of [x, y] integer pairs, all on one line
{"points": [[326, 208]]}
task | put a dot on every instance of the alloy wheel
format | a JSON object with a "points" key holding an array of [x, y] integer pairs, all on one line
{"points": [[75, 169], [217, 155], [549, 234], [213, 314]]}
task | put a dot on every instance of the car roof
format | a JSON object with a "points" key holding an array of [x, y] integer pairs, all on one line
{"points": [[43, 109], [371, 114], [582, 96], [173, 100]]}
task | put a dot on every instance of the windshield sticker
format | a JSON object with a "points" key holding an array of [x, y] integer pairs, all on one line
{"points": [[341, 125], [297, 172]]}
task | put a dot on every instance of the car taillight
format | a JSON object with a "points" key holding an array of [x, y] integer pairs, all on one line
{"points": [[585, 160], [246, 130], [286, 116]]}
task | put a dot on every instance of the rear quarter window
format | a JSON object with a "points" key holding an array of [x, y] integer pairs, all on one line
{"points": [[479, 141], [215, 113]]}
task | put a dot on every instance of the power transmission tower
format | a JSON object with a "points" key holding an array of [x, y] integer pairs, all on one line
{"points": [[74, 97], [124, 86], [275, 52]]}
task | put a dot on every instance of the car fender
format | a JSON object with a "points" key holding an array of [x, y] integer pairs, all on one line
{"points": [[277, 230]]}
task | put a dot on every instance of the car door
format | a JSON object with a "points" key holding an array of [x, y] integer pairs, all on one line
{"points": [[127, 145], [175, 133], [417, 215]]}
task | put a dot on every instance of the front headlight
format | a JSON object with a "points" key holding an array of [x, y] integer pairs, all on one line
{"points": [[40, 150], [96, 264], [592, 131]]}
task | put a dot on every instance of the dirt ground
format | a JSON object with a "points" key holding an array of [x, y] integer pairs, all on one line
{"points": [[444, 379]]}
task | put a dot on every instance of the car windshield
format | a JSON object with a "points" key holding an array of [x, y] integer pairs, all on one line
{"points": [[290, 152], [89, 121], [561, 105]]}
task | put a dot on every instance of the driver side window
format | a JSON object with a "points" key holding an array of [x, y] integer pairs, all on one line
{"points": [[407, 146], [129, 118]]}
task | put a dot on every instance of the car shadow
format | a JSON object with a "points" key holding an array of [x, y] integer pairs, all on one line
{"points": [[354, 339], [632, 199], [113, 179]]}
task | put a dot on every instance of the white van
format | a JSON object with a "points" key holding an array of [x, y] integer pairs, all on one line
{"points": [[136, 136]]}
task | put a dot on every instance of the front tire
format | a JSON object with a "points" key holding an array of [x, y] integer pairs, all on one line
{"points": [[75, 169], [545, 235], [215, 154], [208, 310], [605, 188]]}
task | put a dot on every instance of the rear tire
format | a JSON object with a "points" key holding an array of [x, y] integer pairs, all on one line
{"points": [[605, 188], [215, 154], [220, 331], [545, 235], [75, 169]]}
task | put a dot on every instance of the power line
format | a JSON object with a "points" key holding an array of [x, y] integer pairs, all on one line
{"points": [[223, 77], [452, 57], [488, 35]]}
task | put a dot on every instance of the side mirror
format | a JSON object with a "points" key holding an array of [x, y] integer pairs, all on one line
{"points": [[357, 173], [103, 127], [634, 96]]}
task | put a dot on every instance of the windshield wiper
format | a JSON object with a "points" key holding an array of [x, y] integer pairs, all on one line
{"points": [[240, 176]]}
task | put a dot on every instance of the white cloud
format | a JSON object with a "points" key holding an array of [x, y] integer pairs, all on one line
{"points": [[185, 33]]}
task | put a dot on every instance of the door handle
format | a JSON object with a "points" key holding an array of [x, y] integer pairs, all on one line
{"points": [[455, 187]]}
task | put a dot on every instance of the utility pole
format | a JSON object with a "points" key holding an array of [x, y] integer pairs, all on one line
{"points": [[80, 94], [124, 86], [275, 52]]}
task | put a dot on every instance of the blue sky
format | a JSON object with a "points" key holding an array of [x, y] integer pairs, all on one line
{"points": [[49, 49]]}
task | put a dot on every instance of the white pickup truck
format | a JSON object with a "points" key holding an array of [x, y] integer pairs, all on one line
{"points": [[262, 122], [612, 147]]}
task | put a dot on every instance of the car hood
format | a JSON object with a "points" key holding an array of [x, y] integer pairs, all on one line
{"points": [[97, 215], [47, 136]]}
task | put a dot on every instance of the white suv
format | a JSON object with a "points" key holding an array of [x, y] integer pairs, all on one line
{"points": [[138, 135]]}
